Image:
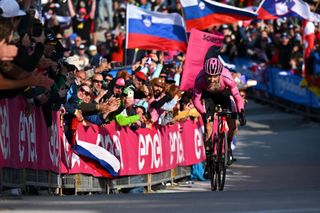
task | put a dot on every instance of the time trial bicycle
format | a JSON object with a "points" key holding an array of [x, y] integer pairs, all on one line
{"points": [[218, 149]]}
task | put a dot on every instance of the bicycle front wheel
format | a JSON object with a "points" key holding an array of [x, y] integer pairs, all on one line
{"points": [[221, 168], [212, 172]]}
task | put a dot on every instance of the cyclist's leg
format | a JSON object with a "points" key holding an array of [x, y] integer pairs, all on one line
{"points": [[232, 123], [209, 106]]}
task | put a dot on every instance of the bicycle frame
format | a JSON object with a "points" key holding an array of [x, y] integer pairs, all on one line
{"points": [[219, 151], [222, 128]]}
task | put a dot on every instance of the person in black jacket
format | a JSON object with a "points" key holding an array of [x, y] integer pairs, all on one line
{"points": [[285, 52]]}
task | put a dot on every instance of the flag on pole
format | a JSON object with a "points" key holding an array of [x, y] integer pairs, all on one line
{"points": [[272, 9], [308, 44], [202, 14], [308, 37], [153, 30]]}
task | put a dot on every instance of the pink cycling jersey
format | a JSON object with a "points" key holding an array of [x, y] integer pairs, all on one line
{"points": [[226, 81]]}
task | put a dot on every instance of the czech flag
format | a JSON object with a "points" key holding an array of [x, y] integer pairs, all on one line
{"points": [[272, 9], [155, 31], [202, 14], [97, 157]]}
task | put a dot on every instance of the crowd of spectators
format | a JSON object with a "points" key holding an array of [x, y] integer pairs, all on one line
{"points": [[51, 56], [57, 66], [276, 43]]}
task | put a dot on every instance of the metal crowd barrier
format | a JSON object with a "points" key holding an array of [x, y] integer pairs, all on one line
{"points": [[29, 181]]}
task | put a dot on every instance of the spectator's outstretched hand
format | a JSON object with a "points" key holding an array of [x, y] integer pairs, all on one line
{"points": [[100, 95], [7, 52], [103, 66], [111, 105]]}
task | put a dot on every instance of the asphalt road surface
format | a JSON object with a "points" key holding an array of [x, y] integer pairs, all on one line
{"points": [[277, 171]]}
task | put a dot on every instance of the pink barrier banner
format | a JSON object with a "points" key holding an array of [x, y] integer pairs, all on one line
{"points": [[142, 152], [24, 143], [198, 46], [24, 139]]}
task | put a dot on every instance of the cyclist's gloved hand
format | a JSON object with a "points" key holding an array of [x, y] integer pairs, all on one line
{"points": [[242, 118]]}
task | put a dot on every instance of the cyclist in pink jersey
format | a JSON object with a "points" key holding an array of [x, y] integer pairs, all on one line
{"points": [[214, 85]]}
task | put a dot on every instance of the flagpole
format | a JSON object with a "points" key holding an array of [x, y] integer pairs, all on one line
{"points": [[135, 55], [127, 29], [184, 20]]}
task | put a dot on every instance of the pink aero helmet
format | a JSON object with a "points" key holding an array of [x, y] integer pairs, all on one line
{"points": [[213, 66]]}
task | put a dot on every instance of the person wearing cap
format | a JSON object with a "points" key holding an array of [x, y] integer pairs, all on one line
{"points": [[139, 78], [128, 117], [82, 22], [75, 42], [83, 58], [30, 49], [158, 88], [94, 56], [80, 78], [81, 108], [285, 51], [53, 48], [116, 88], [142, 88], [141, 108], [107, 79], [10, 9]]}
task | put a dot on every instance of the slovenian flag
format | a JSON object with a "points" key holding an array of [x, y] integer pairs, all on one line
{"points": [[97, 157], [272, 9], [202, 14], [155, 31]]}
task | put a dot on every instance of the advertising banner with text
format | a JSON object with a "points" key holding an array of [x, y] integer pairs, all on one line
{"points": [[198, 45], [24, 139], [24, 143], [140, 152]]}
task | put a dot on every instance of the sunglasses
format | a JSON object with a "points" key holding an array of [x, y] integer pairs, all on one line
{"points": [[85, 91], [118, 87], [140, 80], [97, 81]]}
